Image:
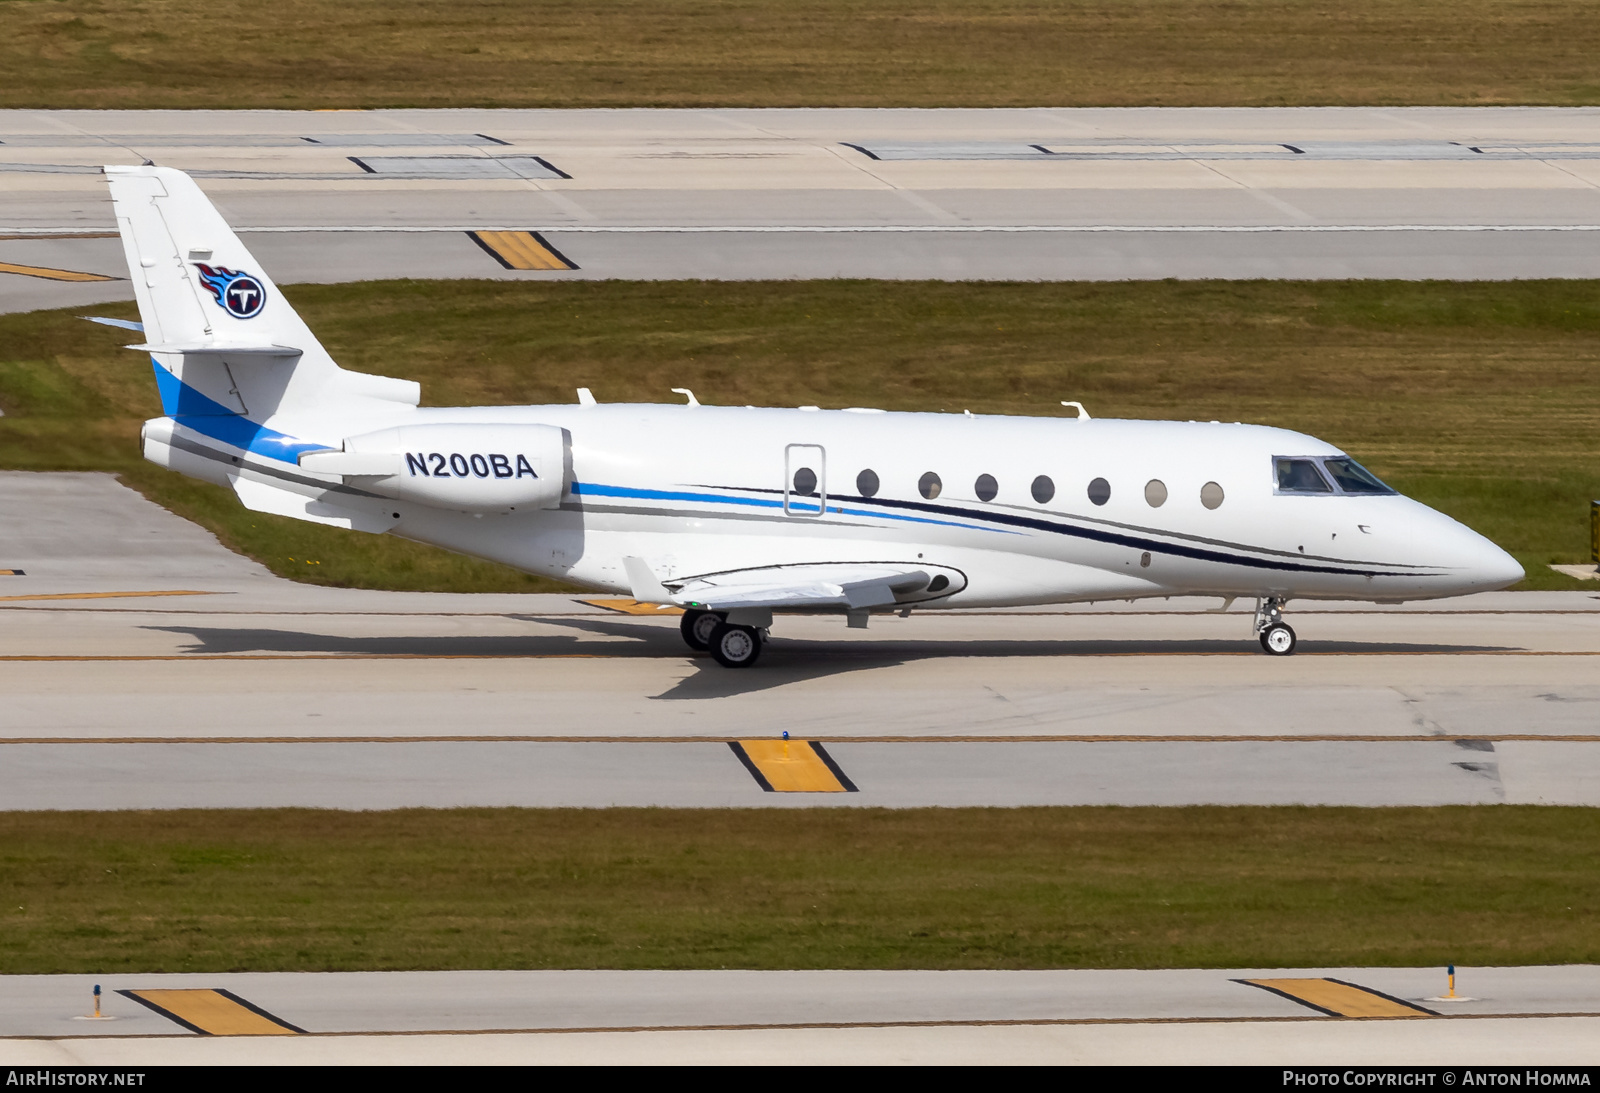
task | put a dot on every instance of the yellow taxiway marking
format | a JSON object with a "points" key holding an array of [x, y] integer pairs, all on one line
{"points": [[521, 250], [1337, 998], [791, 766], [53, 274], [99, 595], [213, 1012], [634, 607]]}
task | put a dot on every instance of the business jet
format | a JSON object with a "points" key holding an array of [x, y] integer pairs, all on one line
{"points": [[738, 513]]}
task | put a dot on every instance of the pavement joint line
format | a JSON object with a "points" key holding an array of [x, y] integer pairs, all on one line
{"points": [[1043, 738], [894, 229], [880, 653], [104, 595], [950, 614], [1020, 1022]]}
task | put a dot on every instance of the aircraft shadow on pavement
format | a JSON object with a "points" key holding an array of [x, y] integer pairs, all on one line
{"points": [[785, 661]]}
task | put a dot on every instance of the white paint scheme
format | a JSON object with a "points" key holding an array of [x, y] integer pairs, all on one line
{"points": [[687, 502]]}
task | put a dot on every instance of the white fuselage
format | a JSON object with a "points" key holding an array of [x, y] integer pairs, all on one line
{"points": [[697, 490]]}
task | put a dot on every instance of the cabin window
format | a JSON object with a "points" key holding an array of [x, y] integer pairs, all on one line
{"points": [[805, 482], [1043, 489], [867, 483], [1352, 477], [1155, 493], [1211, 495], [986, 487], [1300, 476], [1099, 491], [929, 485]]}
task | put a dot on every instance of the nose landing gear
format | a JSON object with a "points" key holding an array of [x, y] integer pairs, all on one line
{"points": [[1276, 636]]}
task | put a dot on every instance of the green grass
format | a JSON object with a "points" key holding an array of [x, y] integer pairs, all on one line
{"points": [[299, 54], [1481, 399], [302, 890]]}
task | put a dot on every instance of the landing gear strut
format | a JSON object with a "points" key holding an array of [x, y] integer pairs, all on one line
{"points": [[1275, 635]]}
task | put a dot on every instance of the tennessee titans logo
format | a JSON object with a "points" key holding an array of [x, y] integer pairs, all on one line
{"points": [[240, 294]]}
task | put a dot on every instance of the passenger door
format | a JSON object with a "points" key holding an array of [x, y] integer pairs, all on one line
{"points": [[805, 480]]}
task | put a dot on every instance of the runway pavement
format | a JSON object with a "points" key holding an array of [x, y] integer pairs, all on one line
{"points": [[959, 194], [1344, 1016], [144, 666]]}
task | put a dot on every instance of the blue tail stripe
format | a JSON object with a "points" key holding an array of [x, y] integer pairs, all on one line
{"points": [[210, 418]]}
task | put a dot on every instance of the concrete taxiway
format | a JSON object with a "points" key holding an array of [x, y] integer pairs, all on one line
{"points": [[960, 194], [144, 666], [1540, 1015]]}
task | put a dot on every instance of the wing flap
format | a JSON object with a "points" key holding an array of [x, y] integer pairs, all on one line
{"points": [[839, 586]]}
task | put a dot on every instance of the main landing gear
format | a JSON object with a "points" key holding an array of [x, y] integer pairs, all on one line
{"points": [[1275, 635], [730, 644]]}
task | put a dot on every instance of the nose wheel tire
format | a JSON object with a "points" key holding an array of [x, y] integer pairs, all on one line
{"points": [[1278, 639], [697, 627], [735, 646]]}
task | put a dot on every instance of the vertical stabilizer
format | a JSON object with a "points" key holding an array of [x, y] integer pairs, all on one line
{"points": [[214, 320]]}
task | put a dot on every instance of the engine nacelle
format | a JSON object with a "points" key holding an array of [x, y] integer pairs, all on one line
{"points": [[471, 468]]}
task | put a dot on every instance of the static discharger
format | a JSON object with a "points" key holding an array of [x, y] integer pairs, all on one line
{"points": [[785, 766], [521, 250], [1336, 998], [213, 1012]]}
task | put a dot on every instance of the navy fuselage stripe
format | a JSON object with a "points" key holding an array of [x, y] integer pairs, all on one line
{"points": [[1110, 538]]}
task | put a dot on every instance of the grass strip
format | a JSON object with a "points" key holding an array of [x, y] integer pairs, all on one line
{"points": [[306, 890], [309, 54], [1481, 399]]}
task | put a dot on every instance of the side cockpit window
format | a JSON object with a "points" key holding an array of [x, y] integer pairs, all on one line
{"points": [[1300, 476], [1352, 477]]}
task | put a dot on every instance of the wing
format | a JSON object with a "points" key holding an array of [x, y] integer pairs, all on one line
{"points": [[836, 586]]}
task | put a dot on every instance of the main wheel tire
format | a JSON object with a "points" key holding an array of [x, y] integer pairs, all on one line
{"points": [[697, 627], [1278, 639], [735, 646]]}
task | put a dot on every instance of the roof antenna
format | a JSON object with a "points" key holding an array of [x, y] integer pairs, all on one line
{"points": [[686, 393], [1083, 415], [149, 163]]}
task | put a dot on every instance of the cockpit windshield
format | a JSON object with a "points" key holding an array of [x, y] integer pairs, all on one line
{"points": [[1352, 477], [1300, 476], [1325, 476]]}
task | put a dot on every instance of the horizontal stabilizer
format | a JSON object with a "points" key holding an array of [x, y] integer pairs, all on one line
{"points": [[264, 497], [219, 349], [125, 324]]}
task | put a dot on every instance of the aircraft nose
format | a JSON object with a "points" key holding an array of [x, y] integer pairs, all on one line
{"points": [[1468, 562], [1496, 568], [1481, 565]]}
